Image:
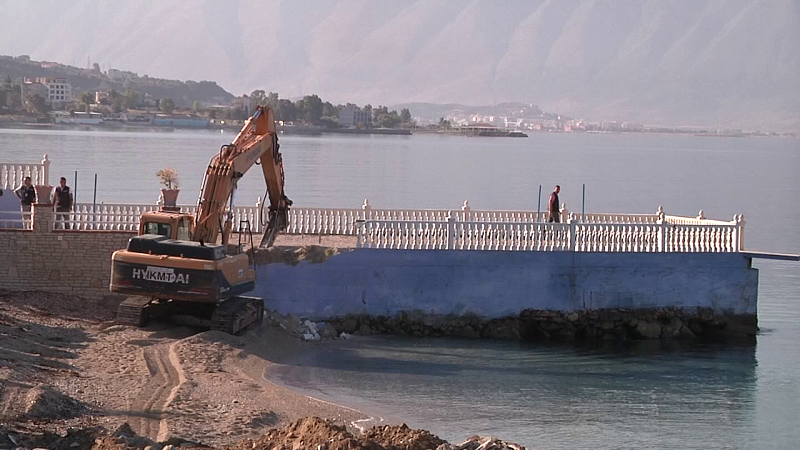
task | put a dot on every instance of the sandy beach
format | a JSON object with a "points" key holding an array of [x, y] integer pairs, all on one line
{"points": [[164, 380]]}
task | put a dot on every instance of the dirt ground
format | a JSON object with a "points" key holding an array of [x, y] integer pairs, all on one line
{"points": [[71, 378]]}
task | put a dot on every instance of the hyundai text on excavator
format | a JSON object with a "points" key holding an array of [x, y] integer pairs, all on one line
{"points": [[175, 265]]}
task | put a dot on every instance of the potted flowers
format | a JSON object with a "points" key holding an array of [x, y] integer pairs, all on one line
{"points": [[169, 179]]}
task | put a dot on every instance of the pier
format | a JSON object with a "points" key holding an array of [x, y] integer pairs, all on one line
{"points": [[460, 271]]}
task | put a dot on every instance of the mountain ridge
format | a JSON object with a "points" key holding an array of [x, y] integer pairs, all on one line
{"points": [[705, 62]]}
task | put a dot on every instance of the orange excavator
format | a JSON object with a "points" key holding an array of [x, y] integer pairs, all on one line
{"points": [[175, 265]]}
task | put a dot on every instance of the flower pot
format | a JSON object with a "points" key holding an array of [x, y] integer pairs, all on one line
{"points": [[170, 197], [44, 194]]}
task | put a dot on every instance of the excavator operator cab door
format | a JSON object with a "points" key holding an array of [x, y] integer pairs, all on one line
{"points": [[184, 230]]}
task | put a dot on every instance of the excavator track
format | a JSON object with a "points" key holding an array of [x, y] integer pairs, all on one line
{"points": [[137, 310], [237, 313], [134, 311]]}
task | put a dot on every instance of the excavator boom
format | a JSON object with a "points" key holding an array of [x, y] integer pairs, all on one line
{"points": [[256, 143]]}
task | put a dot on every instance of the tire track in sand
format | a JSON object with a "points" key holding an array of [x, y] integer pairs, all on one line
{"points": [[166, 377]]}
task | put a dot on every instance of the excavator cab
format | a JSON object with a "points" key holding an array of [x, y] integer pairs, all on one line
{"points": [[173, 225]]}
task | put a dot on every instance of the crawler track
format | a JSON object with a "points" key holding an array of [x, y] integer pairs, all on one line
{"points": [[231, 316]]}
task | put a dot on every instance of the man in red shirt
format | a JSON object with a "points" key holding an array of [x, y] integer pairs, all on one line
{"points": [[553, 210]]}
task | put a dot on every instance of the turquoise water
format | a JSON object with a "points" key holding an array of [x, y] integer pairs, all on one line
{"points": [[654, 395]]}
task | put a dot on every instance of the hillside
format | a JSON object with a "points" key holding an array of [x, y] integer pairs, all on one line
{"points": [[704, 62], [184, 93]]}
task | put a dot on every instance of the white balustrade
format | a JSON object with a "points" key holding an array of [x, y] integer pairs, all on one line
{"points": [[125, 217], [16, 220], [639, 234], [12, 174]]}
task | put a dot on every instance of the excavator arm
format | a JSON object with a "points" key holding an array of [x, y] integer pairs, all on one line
{"points": [[256, 143]]}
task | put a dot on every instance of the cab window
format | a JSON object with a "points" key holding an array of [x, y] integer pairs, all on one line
{"points": [[183, 230], [164, 229]]}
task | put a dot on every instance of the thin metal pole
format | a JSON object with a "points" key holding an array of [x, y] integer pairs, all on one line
{"points": [[539, 204], [583, 205], [75, 189], [94, 200]]}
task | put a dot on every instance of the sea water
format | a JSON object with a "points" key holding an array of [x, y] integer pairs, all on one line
{"points": [[633, 395]]}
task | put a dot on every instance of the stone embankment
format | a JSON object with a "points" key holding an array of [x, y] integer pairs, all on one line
{"points": [[537, 325]]}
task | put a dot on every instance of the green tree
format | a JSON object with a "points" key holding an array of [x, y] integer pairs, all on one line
{"points": [[259, 97], [131, 99], [167, 105], [35, 103], [273, 100], [87, 98], [14, 99], [196, 107], [328, 110], [405, 115], [444, 123], [117, 101], [286, 111], [312, 108]]}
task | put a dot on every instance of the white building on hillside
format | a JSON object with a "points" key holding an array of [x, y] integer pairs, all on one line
{"points": [[58, 90], [353, 116]]}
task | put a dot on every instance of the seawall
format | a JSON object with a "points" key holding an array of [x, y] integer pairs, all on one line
{"points": [[528, 294], [62, 261]]}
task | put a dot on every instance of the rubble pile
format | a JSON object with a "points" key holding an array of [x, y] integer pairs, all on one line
{"points": [[45, 403], [304, 329], [308, 433], [293, 255], [403, 438], [319, 434]]}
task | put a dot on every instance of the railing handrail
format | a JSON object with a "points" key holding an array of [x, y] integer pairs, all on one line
{"points": [[456, 234]]}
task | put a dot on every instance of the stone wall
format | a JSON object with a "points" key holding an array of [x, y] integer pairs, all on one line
{"points": [[518, 294], [64, 261]]}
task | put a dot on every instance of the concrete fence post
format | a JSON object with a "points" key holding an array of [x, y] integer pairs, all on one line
{"points": [[451, 231], [740, 223], [45, 170], [257, 225], [564, 213], [43, 217], [571, 220], [662, 230]]}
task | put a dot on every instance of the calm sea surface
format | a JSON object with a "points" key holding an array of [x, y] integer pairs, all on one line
{"points": [[647, 395]]}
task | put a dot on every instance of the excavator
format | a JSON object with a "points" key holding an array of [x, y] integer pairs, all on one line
{"points": [[175, 265]]}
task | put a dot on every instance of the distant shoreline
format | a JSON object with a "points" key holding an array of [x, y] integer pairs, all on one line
{"points": [[310, 130]]}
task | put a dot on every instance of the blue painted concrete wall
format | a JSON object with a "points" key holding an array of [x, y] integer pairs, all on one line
{"points": [[498, 284]]}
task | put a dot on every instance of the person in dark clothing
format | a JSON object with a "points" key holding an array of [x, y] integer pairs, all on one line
{"points": [[63, 203], [27, 197], [553, 213], [26, 194]]}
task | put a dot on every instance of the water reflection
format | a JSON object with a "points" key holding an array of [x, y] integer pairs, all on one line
{"points": [[548, 396]]}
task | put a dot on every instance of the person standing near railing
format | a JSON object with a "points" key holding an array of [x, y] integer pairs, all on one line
{"points": [[27, 197], [553, 213], [63, 204]]}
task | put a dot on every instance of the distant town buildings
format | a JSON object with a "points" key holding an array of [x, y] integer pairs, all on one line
{"points": [[352, 116], [55, 91]]}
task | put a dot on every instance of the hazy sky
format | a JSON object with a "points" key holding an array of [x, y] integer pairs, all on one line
{"points": [[676, 61]]}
